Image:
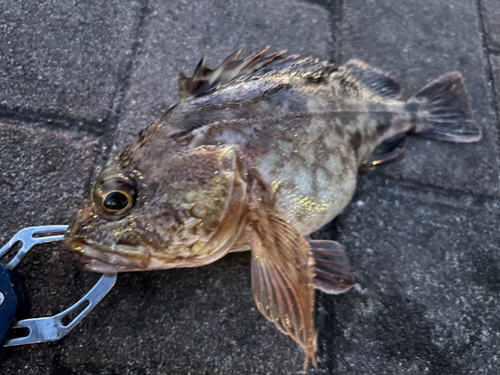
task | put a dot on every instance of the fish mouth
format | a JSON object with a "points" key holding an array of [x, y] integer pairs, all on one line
{"points": [[118, 258]]}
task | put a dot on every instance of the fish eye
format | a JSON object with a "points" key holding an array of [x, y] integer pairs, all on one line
{"points": [[114, 194], [116, 201]]}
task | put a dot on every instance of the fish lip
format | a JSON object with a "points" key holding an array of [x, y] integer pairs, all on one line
{"points": [[94, 265], [101, 258]]}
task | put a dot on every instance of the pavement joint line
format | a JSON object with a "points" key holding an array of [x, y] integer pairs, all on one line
{"points": [[130, 62], [338, 7], [51, 121], [128, 66], [488, 69], [119, 100], [89, 182], [331, 320], [334, 9], [381, 179]]}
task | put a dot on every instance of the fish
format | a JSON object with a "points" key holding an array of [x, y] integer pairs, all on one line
{"points": [[258, 154]]}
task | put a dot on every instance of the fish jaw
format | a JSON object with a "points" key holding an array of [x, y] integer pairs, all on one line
{"points": [[117, 258], [116, 255], [95, 265]]}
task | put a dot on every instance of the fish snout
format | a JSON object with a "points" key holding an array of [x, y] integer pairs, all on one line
{"points": [[79, 222], [100, 258]]}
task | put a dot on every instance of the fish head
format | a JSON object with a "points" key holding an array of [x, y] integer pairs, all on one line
{"points": [[154, 211]]}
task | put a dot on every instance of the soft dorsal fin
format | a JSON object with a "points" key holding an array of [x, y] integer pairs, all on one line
{"points": [[205, 80], [364, 77]]}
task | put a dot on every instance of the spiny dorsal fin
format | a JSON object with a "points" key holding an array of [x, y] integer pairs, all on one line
{"points": [[205, 80], [364, 77]]}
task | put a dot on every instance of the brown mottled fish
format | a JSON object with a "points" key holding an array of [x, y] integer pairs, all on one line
{"points": [[258, 154]]}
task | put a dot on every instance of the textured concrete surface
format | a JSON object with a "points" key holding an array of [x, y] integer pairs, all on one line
{"points": [[426, 299], [41, 166], [407, 43], [44, 176], [214, 29], [63, 59], [492, 21], [422, 232]]}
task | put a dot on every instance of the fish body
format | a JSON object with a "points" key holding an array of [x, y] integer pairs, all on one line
{"points": [[257, 154]]}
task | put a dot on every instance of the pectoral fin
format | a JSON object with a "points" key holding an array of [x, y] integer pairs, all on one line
{"points": [[282, 278]]}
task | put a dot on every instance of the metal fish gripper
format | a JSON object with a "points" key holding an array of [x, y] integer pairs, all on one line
{"points": [[51, 328]]}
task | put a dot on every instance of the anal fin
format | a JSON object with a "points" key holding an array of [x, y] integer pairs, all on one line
{"points": [[387, 151], [333, 273]]}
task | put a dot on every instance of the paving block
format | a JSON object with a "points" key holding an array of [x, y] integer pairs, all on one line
{"points": [[44, 178], [65, 60], [199, 321], [45, 175], [416, 42], [427, 274], [179, 34], [491, 16]]}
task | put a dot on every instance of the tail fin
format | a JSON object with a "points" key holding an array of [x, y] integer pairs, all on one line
{"points": [[444, 104]]}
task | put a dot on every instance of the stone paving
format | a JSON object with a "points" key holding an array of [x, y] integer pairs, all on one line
{"points": [[79, 79]]}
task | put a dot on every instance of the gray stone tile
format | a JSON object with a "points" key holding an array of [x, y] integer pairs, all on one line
{"points": [[63, 59], [45, 174], [427, 275], [491, 16], [416, 42], [179, 34], [198, 321], [43, 179]]}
